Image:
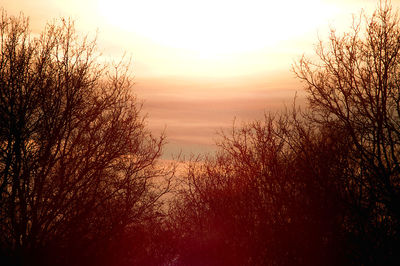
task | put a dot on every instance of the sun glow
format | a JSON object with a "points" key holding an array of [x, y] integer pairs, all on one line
{"points": [[215, 27]]}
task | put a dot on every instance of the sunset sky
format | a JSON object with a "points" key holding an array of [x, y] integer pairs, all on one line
{"points": [[199, 64]]}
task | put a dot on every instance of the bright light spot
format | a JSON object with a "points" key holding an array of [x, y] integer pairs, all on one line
{"points": [[216, 27]]}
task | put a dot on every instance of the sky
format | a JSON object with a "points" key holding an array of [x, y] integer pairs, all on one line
{"points": [[200, 65]]}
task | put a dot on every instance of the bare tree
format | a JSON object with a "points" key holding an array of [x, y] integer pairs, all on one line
{"points": [[77, 164], [308, 188], [270, 196], [355, 85]]}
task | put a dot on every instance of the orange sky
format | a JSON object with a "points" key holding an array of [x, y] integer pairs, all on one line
{"points": [[199, 64]]}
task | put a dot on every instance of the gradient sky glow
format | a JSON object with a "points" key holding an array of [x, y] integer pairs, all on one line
{"points": [[199, 64]]}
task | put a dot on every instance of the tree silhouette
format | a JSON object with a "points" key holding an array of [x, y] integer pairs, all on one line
{"points": [[355, 85], [269, 196], [80, 183], [312, 187], [77, 164]]}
